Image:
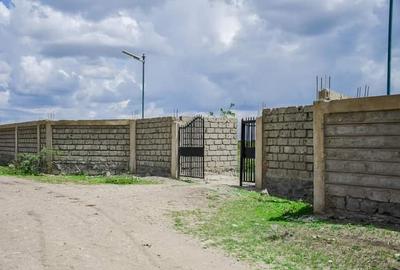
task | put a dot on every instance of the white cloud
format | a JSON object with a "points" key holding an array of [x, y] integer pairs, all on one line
{"points": [[4, 98], [5, 73], [65, 56], [4, 14]]}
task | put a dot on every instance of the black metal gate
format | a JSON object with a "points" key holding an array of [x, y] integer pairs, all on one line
{"points": [[247, 151], [191, 149]]}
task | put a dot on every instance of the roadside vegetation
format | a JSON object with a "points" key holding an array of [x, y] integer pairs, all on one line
{"points": [[282, 234], [77, 179], [31, 166]]}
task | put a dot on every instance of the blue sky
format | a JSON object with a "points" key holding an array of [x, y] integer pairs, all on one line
{"points": [[64, 57]]}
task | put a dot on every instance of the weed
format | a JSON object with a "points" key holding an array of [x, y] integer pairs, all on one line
{"points": [[284, 235]]}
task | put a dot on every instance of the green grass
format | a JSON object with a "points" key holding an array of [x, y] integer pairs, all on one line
{"points": [[79, 179], [284, 235]]}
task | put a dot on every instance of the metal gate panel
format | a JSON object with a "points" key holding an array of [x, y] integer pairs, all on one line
{"points": [[191, 149], [247, 151]]}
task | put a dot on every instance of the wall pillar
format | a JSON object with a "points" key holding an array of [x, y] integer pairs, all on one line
{"points": [[132, 146], [259, 153], [38, 138], [16, 143], [174, 149], [319, 159], [49, 146]]}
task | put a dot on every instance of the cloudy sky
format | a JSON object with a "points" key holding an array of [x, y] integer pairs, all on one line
{"points": [[64, 56]]}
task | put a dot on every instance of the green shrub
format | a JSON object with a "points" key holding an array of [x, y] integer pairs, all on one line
{"points": [[28, 163]]}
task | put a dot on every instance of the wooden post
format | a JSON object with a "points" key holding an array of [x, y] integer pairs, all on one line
{"points": [[174, 149], [132, 146], [259, 153]]}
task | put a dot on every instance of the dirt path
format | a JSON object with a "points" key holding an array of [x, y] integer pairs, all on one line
{"points": [[44, 226]]}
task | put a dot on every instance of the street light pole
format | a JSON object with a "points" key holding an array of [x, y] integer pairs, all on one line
{"points": [[143, 60], [389, 46]]}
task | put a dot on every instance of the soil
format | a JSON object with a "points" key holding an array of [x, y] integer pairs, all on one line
{"points": [[68, 226]]}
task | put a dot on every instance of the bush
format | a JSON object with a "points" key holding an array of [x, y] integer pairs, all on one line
{"points": [[32, 163], [28, 163]]}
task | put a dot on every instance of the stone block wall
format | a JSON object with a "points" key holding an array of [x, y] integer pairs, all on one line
{"points": [[90, 148], [142, 146], [153, 146], [27, 139], [220, 145], [7, 145], [362, 164], [288, 152]]}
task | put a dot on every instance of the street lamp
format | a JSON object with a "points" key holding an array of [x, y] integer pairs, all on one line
{"points": [[142, 59]]}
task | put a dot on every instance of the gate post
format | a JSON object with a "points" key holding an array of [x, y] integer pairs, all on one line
{"points": [[259, 153], [174, 149]]}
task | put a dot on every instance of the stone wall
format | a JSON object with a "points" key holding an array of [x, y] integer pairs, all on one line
{"points": [[220, 145], [142, 146], [90, 148], [362, 163], [7, 145], [27, 139], [153, 146], [288, 152]]}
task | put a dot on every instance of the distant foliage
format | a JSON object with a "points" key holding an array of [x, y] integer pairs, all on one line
{"points": [[228, 112], [225, 112]]}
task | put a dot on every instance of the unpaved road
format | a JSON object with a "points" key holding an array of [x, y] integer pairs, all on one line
{"points": [[45, 226]]}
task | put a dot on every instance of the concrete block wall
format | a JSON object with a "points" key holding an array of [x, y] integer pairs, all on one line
{"points": [[7, 145], [142, 146], [358, 167], [27, 139], [90, 148], [287, 152], [220, 145], [362, 165], [153, 146]]}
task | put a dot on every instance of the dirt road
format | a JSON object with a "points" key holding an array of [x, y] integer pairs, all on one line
{"points": [[45, 226]]}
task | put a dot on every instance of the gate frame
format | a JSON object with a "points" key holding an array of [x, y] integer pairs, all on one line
{"points": [[252, 124], [186, 151]]}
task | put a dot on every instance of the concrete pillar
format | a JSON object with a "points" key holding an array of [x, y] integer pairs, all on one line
{"points": [[259, 153], [49, 146], [132, 146], [16, 142], [319, 159], [38, 138], [174, 150]]}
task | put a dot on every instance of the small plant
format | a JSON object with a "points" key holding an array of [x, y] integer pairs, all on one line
{"points": [[225, 112], [29, 163], [228, 112]]}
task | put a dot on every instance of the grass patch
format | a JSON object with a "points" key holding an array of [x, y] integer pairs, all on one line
{"points": [[79, 179], [284, 235]]}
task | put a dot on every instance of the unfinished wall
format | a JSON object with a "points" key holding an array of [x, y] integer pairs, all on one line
{"points": [[288, 152], [153, 146], [7, 145], [90, 148], [359, 171], [220, 145]]}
